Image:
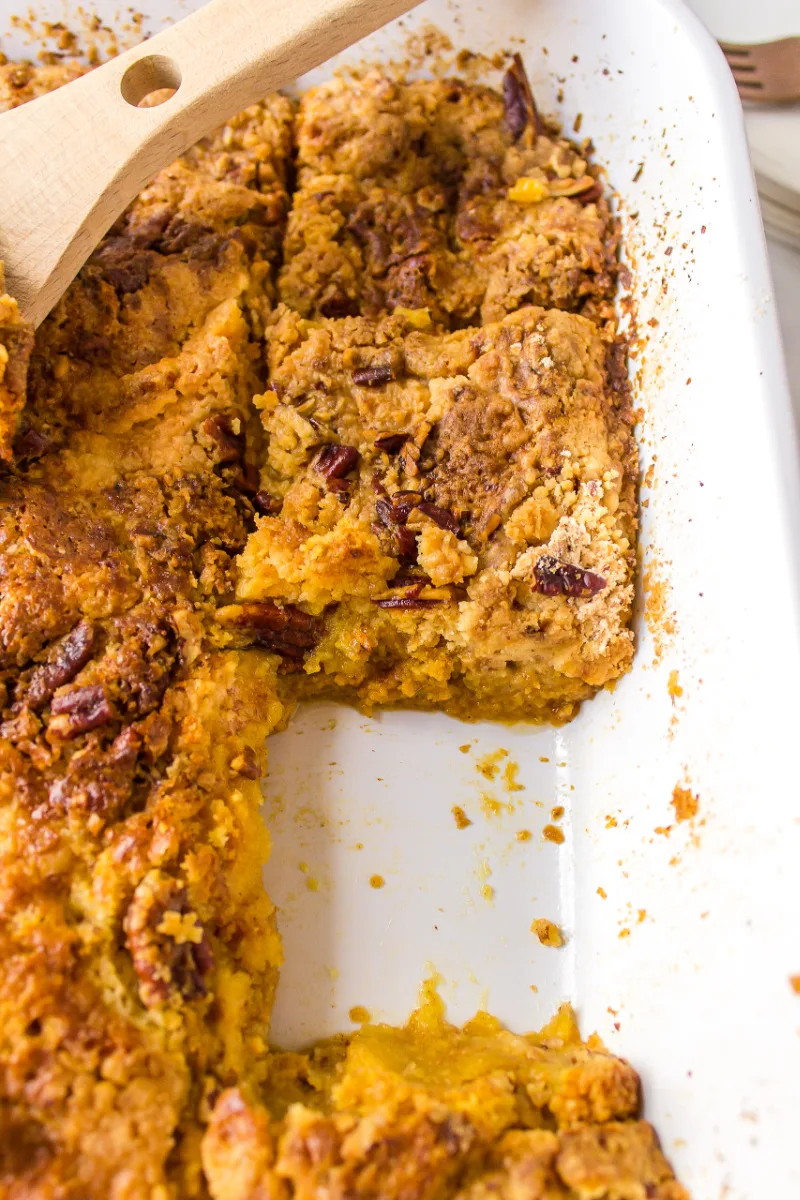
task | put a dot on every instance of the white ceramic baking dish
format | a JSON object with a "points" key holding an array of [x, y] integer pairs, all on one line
{"points": [[682, 937]]}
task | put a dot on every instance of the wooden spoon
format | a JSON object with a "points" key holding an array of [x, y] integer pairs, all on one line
{"points": [[74, 159]]}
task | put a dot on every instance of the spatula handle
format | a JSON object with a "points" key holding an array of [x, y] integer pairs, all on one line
{"points": [[75, 158]]}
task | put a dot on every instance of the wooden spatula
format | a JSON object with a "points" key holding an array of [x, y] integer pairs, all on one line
{"points": [[71, 161]]}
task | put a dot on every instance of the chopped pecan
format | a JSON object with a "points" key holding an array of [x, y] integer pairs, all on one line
{"points": [[590, 194], [391, 442], [402, 504], [520, 106], [378, 486], [557, 578], [246, 763], [100, 781], [373, 376], [406, 541], [30, 444], [442, 516], [407, 602], [334, 461], [129, 275], [72, 653], [394, 514], [339, 304], [617, 366], [285, 630], [246, 479], [81, 710], [266, 504], [409, 578], [220, 429]]}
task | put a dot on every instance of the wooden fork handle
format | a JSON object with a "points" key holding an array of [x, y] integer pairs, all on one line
{"points": [[75, 158]]}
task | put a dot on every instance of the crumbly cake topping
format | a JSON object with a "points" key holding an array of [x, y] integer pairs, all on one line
{"points": [[441, 196], [211, 506], [425, 483]]}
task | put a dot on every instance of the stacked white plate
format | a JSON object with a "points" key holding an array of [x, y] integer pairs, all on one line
{"points": [[774, 133]]}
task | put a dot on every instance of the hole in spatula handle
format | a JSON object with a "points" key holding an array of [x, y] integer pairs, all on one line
{"points": [[150, 81]]}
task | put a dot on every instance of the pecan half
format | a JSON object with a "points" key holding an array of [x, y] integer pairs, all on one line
{"points": [[72, 653], [334, 461], [164, 965], [285, 630], [391, 442], [557, 578], [80, 710], [220, 429], [372, 376], [520, 106], [442, 516]]}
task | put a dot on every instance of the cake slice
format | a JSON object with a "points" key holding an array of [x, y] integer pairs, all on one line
{"points": [[443, 196], [431, 1111], [456, 511]]}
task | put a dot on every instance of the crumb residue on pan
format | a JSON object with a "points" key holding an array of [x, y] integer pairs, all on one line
{"points": [[84, 37], [489, 765], [658, 614], [548, 932], [685, 802], [460, 817]]}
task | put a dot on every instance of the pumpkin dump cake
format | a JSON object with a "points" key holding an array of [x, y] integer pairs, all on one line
{"points": [[278, 442]]}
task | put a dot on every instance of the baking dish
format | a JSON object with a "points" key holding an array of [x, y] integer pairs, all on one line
{"points": [[681, 933]]}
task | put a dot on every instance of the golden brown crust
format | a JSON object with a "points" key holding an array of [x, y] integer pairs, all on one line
{"points": [[477, 457], [139, 950], [406, 197], [16, 344], [432, 1111], [426, 1153]]}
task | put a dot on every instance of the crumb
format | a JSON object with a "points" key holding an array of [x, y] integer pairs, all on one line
{"points": [[461, 818], [547, 932], [685, 803]]}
